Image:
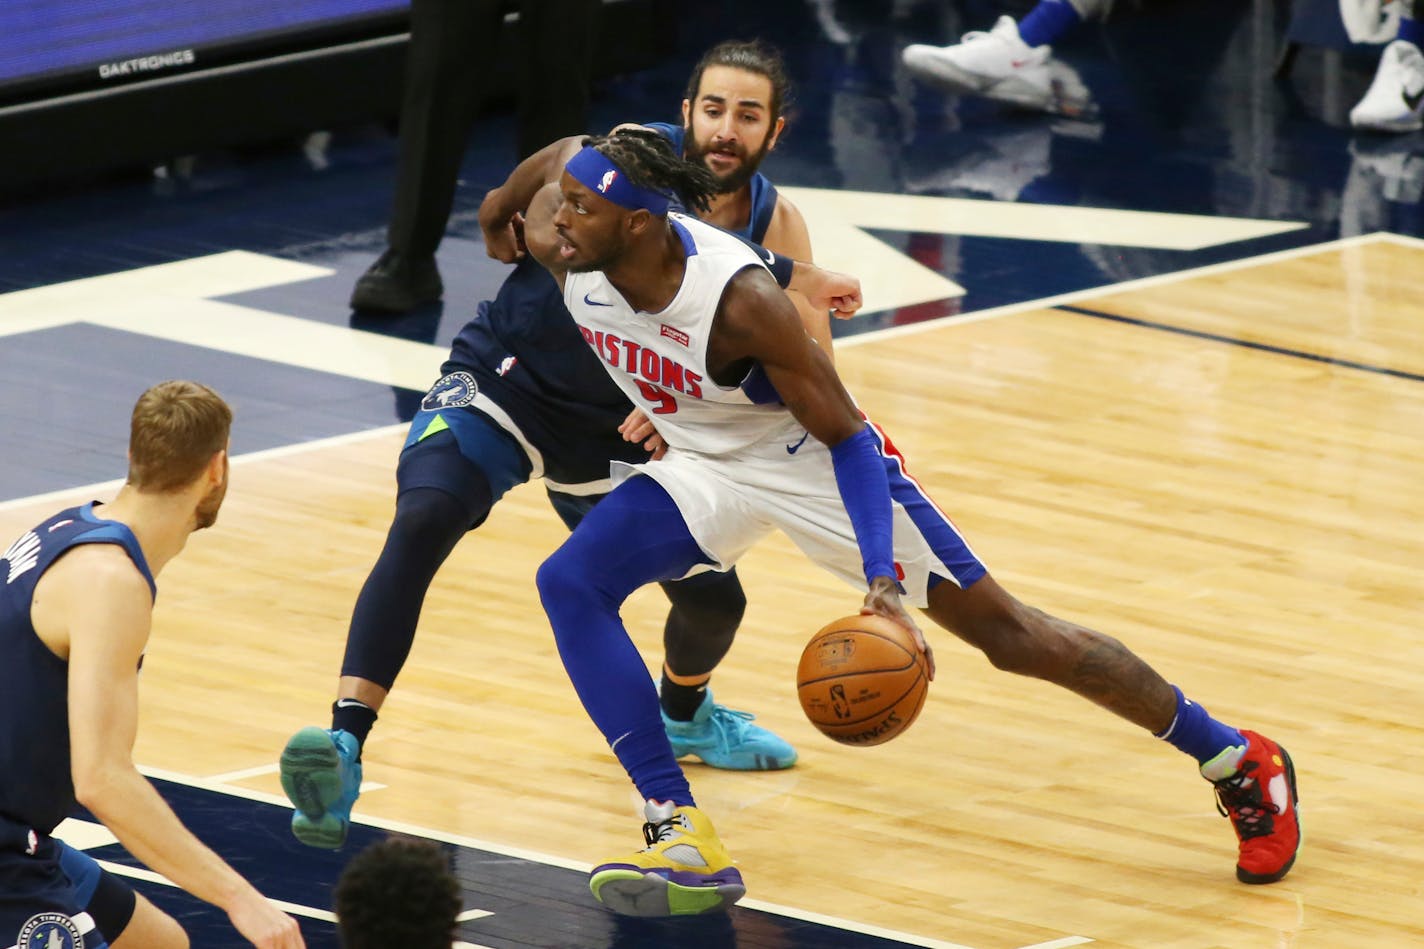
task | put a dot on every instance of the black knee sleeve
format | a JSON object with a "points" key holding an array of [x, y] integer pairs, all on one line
{"points": [[706, 611], [427, 526]]}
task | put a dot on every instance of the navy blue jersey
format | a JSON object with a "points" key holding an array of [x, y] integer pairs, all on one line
{"points": [[763, 191], [36, 788], [528, 357]]}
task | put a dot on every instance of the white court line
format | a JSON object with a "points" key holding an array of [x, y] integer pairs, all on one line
{"points": [[148, 876], [1142, 283], [473, 843], [862, 928], [297, 448], [227, 777], [293, 909], [104, 487], [1404, 240]]}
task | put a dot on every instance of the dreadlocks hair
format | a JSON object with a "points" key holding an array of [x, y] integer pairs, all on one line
{"points": [[754, 56], [648, 160]]}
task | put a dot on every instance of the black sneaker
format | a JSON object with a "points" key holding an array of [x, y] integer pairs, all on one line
{"points": [[395, 284]]}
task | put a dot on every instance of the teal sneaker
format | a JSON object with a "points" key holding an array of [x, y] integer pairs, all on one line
{"points": [[725, 738], [321, 774]]}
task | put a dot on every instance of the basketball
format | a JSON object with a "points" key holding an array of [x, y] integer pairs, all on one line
{"points": [[861, 680]]}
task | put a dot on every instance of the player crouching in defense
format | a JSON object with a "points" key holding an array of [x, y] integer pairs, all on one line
{"points": [[727, 372], [75, 614]]}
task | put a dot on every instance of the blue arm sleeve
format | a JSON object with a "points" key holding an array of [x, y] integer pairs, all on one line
{"points": [[860, 476]]}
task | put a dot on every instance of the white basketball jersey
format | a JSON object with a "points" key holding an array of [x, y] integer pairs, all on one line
{"points": [[660, 359]]}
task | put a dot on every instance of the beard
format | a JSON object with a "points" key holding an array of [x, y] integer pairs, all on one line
{"points": [[601, 261], [735, 179]]}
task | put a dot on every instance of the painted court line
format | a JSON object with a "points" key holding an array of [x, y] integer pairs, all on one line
{"points": [[1142, 283], [228, 777], [402, 827], [1403, 240], [148, 876], [292, 909], [1245, 343], [108, 487]]}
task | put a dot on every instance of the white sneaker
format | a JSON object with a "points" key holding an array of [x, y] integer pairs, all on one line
{"points": [[1393, 102], [998, 65]]}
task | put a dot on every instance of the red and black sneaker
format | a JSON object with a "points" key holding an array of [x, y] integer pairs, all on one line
{"points": [[1260, 798]]}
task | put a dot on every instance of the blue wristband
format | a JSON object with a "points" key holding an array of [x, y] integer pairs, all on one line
{"points": [[779, 266], [865, 490]]}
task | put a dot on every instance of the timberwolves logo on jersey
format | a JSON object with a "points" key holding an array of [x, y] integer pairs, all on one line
{"points": [[49, 931], [454, 391]]}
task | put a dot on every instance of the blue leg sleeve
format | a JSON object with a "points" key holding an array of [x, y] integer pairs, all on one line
{"points": [[633, 537]]}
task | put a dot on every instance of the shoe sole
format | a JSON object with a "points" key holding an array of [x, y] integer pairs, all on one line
{"points": [[758, 763], [957, 80], [1008, 90], [1246, 876], [368, 297], [1387, 125], [310, 769], [629, 892]]}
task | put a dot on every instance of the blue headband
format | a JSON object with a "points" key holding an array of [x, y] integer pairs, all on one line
{"points": [[593, 169]]}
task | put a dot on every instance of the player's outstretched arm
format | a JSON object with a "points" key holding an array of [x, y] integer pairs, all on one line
{"points": [[837, 293], [823, 289], [109, 614], [787, 235], [503, 208], [540, 235]]}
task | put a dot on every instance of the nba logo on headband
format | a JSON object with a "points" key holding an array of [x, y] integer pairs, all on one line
{"points": [[597, 172]]}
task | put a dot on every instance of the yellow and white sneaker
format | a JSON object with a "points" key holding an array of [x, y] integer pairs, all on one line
{"points": [[683, 871]]}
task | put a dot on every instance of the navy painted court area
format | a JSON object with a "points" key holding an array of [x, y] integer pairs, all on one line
{"points": [[519, 903]]}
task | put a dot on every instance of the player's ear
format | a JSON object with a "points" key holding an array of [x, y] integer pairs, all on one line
{"points": [[687, 113], [217, 465], [639, 219], [776, 132]]}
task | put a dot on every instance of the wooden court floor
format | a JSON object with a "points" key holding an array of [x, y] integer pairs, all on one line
{"points": [[1246, 517]]}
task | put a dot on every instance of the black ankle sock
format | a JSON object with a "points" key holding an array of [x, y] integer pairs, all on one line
{"points": [[681, 702], [354, 717]]}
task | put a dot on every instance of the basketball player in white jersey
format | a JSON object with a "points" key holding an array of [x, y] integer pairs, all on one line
{"points": [[763, 435]]}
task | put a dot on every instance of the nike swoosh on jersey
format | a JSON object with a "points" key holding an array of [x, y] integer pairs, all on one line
{"points": [[792, 449], [594, 302]]}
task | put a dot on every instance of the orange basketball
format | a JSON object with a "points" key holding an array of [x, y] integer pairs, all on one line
{"points": [[861, 680]]}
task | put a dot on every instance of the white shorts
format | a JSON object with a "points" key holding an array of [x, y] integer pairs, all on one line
{"points": [[731, 502]]}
